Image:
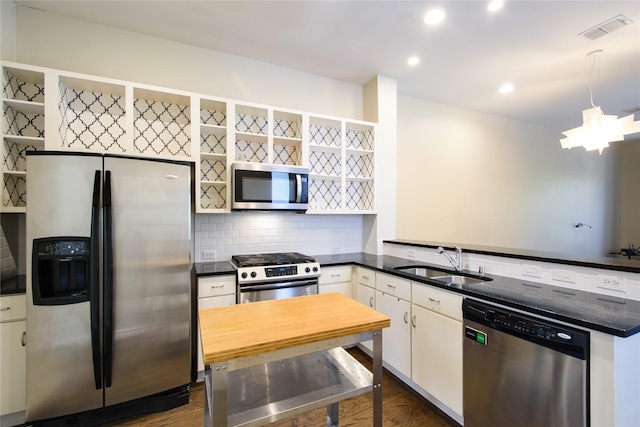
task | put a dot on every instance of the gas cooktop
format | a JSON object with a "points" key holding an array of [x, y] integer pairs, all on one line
{"points": [[274, 267], [259, 260]]}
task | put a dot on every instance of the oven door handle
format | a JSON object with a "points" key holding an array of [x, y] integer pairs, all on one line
{"points": [[278, 285]]}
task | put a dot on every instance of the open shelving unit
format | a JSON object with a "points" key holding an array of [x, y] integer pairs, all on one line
{"points": [[93, 114], [213, 163], [22, 131]]}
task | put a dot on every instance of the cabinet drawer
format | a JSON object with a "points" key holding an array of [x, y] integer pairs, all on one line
{"points": [[366, 277], [443, 302], [13, 307], [400, 288], [216, 285], [335, 275]]}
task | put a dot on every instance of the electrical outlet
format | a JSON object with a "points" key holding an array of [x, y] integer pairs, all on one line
{"points": [[612, 283], [209, 254], [411, 253]]}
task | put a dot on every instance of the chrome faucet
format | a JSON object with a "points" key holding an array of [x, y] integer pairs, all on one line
{"points": [[457, 263]]}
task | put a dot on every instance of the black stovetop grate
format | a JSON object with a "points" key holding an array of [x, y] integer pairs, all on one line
{"points": [[258, 260]]}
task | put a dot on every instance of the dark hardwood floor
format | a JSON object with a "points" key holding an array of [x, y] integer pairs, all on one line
{"points": [[401, 407]]}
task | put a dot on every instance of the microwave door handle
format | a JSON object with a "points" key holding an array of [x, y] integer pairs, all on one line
{"points": [[298, 187]]}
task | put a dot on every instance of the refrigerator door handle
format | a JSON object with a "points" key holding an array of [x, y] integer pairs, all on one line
{"points": [[94, 273], [108, 281]]}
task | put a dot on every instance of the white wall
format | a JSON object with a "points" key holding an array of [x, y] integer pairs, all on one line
{"points": [[7, 30], [630, 207], [54, 41], [466, 177]]}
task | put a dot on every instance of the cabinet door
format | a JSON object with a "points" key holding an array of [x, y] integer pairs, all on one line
{"points": [[366, 277], [336, 279], [12, 367], [210, 302], [396, 340], [436, 356], [366, 296]]}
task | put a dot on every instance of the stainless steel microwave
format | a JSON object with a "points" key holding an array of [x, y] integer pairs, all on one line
{"points": [[269, 187]]}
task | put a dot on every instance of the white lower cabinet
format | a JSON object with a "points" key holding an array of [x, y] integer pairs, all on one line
{"points": [[213, 291], [396, 339], [436, 344], [336, 279], [365, 293], [13, 358]]}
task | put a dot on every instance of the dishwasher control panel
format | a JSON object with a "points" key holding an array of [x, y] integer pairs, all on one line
{"points": [[523, 326], [520, 324]]}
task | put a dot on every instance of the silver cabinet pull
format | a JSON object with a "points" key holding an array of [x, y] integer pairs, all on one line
{"points": [[24, 338], [365, 277], [389, 285], [217, 286], [336, 275], [5, 308], [406, 317], [371, 302], [413, 321], [437, 301]]}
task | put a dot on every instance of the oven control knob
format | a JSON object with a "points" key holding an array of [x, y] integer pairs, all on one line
{"points": [[244, 275], [307, 270], [315, 269], [253, 274]]}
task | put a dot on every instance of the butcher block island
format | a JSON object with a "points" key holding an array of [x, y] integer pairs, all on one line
{"points": [[271, 360]]}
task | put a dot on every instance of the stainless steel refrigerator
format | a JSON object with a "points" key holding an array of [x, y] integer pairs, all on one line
{"points": [[108, 286]]}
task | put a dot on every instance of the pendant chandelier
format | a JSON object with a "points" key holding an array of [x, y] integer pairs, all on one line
{"points": [[598, 129]]}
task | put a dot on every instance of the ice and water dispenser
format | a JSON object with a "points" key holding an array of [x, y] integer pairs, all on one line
{"points": [[60, 270]]}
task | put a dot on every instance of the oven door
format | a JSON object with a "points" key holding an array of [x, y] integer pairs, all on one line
{"points": [[278, 290]]}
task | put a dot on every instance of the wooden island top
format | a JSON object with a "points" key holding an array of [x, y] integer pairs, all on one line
{"points": [[244, 330]]}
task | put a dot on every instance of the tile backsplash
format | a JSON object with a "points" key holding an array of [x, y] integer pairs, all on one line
{"points": [[222, 235]]}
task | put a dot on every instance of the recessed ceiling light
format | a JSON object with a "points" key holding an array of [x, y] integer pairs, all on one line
{"points": [[414, 60], [506, 88], [434, 16], [495, 5]]}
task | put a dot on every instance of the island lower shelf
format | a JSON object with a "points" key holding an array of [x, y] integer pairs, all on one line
{"points": [[284, 388]]}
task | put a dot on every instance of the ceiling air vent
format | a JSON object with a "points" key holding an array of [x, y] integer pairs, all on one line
{"points": [[606, 27]]}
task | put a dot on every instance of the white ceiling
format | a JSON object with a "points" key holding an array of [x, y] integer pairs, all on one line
{"points": [[533, 44]]}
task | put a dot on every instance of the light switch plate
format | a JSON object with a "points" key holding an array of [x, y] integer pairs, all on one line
{"points": [[561, 275], [531, 270]]}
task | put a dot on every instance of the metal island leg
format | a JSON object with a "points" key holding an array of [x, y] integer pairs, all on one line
{"points": [[377, 378], [216, 381]]}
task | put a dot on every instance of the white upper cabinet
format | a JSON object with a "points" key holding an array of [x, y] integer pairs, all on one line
{"points": [[85, 113]]}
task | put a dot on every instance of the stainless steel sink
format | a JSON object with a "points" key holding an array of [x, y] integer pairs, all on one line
{"points": [[448, 278], [455, 280], [421, 271]]}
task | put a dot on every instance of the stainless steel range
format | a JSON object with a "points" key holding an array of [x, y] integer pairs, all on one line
{"points": [[264, 277]]}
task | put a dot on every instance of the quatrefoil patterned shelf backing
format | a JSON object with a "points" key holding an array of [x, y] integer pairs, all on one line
{"points": [[96, 121], [18, 123], [325, 194]]}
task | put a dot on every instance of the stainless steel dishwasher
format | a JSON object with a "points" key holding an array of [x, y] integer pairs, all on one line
{"points": [[521, 370]]}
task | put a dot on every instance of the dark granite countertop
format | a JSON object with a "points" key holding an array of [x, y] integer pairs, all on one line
{"points": [[14, 285], [214, 268], [608, 314]]}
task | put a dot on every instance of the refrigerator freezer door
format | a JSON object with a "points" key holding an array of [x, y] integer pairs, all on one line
{"points": [[151, 204], [60, 374]]}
